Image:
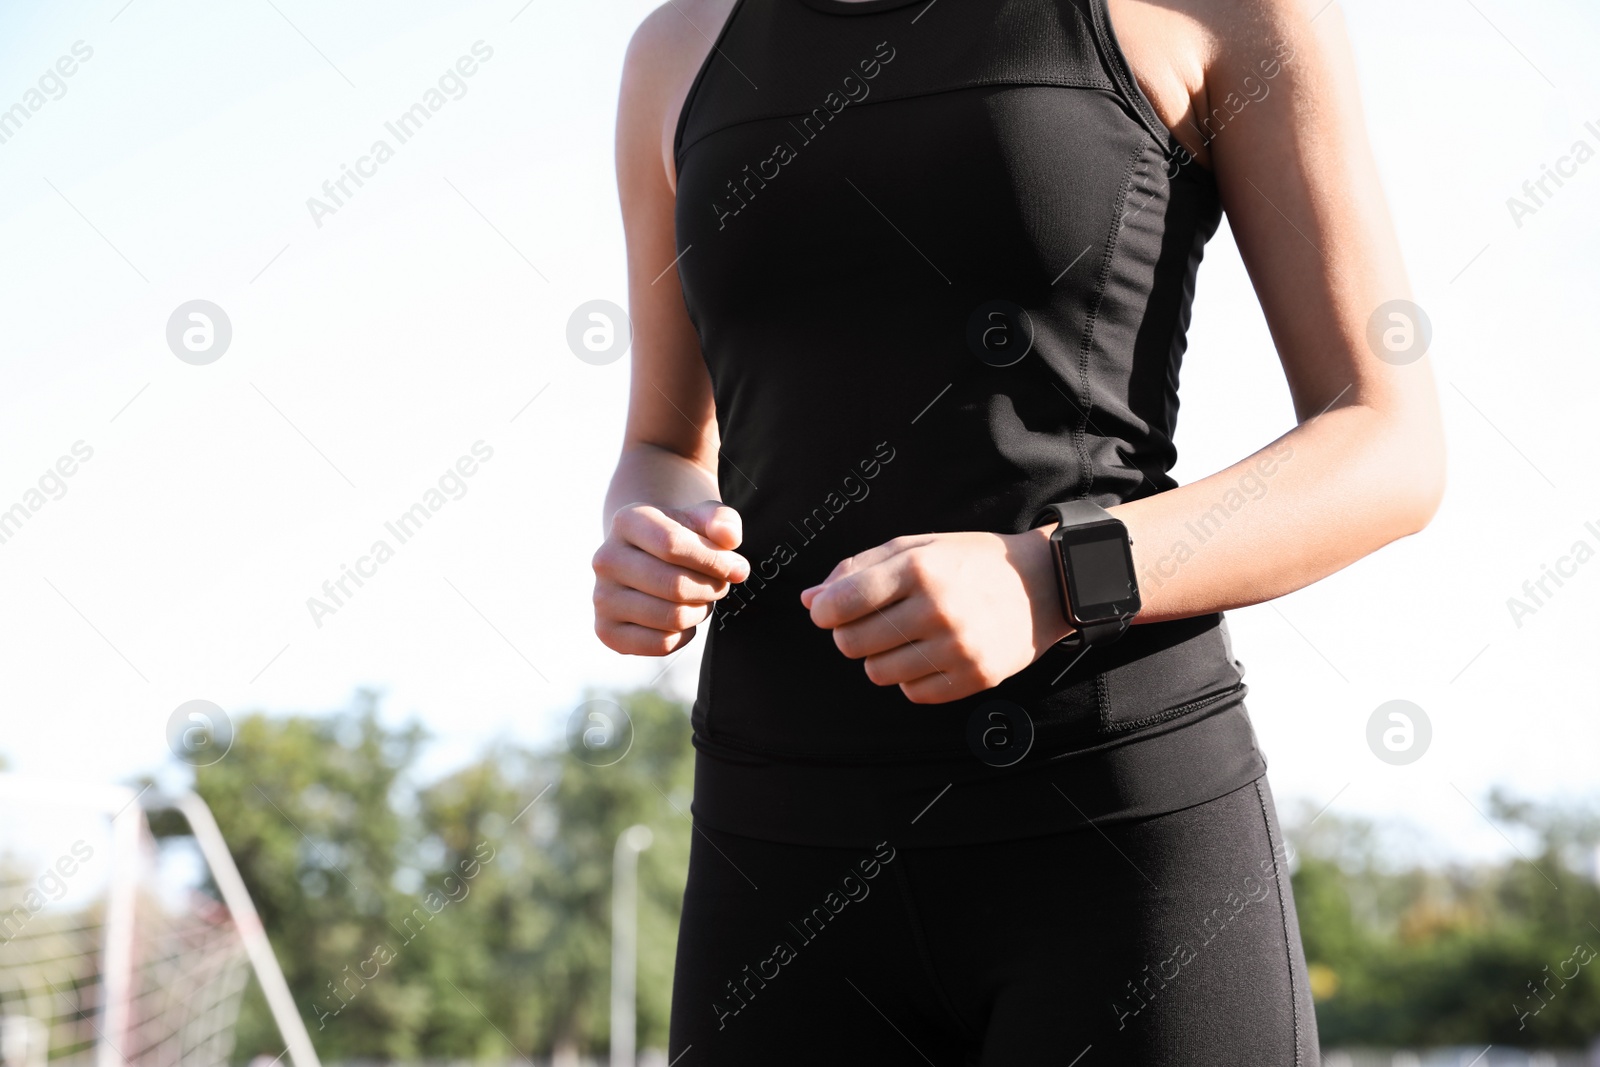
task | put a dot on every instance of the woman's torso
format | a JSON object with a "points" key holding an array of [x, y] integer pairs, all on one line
{"points": [[859, 184]]}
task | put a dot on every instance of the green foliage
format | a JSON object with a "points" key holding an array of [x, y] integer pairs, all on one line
{"points": [[1410, 956], [457, 918]]}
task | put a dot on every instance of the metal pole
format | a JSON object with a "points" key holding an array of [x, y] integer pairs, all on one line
{"points": [[234, 894], [128, 828], [625, 940]]}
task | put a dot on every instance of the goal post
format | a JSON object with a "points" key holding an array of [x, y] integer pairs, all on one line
{"points": [[111, 953]]}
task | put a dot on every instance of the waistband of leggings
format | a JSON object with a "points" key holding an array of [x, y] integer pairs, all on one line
{"points": [[1173, 765]]}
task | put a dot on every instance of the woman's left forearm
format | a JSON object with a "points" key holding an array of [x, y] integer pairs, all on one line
{"points": [[947, 615], [1334, 489]]}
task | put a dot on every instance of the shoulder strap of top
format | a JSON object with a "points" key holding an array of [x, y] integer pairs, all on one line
{"points": [[1116, 62], [694, 86]]}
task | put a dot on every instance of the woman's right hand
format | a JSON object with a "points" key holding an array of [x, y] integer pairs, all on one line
{"points": [[660, 572]]}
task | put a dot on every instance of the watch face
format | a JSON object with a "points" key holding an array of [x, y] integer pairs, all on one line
{"points": [[1100, 576]]}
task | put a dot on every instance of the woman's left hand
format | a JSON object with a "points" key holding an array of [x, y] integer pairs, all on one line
{"points": [[943, 616]]}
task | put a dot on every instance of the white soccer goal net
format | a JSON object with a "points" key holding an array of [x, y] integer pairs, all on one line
{"points": [[114, 953]]}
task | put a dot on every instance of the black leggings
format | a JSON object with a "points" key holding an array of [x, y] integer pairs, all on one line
{"points": [[1164, 942]]}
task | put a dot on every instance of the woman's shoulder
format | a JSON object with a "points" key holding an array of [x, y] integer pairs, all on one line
{"points": [[1190, 55], [664, 55]]}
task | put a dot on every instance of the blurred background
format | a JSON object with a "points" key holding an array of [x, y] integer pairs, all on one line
{"points": [[175, 520]]}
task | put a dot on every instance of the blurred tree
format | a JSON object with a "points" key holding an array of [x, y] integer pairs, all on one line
{"points": [[535, 945], [596, 801], [314, 812], [1403, 955], [462, 918]]}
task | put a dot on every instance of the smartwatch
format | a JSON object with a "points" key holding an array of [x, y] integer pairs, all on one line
{"points": [[1094, 571]]}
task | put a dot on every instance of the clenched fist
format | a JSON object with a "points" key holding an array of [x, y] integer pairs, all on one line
{"points": [[943, 616], [660, 572]]}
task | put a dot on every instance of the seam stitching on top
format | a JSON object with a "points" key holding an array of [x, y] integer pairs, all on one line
{"points": [[1096, 87], [1283, 911], [1086, 348]]}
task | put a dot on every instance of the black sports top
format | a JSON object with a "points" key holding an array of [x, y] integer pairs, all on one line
{"points": [[940, 256]]}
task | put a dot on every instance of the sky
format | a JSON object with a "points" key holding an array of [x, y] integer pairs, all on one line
{"points": [[422, 322]]}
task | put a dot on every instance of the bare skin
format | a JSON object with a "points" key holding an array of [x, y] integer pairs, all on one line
{"points": [[944, 616]]}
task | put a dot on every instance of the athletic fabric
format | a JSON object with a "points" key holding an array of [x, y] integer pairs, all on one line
{"points": [[1169, 942], [880, 207]]}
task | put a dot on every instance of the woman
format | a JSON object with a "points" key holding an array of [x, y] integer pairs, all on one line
{"points": [[905, 275]]}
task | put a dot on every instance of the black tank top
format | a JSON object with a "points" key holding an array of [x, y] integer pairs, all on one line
{"points": [[940, 256]]}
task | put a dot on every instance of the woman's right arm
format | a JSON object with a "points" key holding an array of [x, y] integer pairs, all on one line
{"points": [[668, 550]]}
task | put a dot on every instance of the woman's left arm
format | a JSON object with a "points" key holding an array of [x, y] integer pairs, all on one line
{"points": [[944, 616]]}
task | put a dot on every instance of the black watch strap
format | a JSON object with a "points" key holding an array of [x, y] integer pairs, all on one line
{"points": [[1100, 633], [1072, 512]]}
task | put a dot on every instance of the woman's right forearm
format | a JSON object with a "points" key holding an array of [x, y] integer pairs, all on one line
{"points": [[650, 474]]}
